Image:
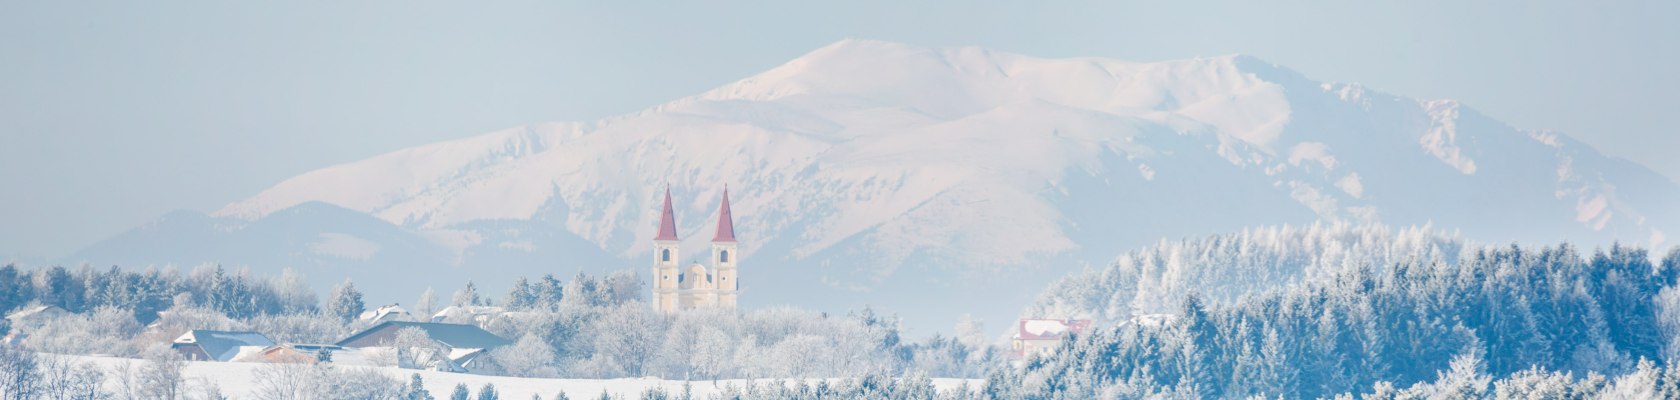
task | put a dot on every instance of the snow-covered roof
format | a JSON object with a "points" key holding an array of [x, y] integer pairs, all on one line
{"points": [[1050, 329], [249, 353], [455, 336], [31, 311], [383, 312], [223, 345], [473, 311]]}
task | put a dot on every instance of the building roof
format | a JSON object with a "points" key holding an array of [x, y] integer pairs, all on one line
{"points": [[667, 220], [31, 311], [1050, 329], [383, 312], [453, 335], [472, 312], [726, 222], [223, 345]]}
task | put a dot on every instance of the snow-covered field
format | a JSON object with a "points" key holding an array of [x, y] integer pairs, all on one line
{"points": [[237, 381]]}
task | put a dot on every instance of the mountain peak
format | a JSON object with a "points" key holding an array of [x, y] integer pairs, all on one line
{"points": [[868, 161]]}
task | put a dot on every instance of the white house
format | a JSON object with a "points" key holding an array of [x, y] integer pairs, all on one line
{"points": [[1041, 336], [208, 345], [465, 345]]}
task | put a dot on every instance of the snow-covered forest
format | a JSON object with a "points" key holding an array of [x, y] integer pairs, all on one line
{"points": [[1317, 311], [1328, 310], [584, 327]]}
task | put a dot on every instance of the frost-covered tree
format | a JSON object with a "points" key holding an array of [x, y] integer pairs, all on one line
{"points": [[427, 305], [583, 291], [528, 357], [623, 286], [1405, 320], [461, 392], [970, 331], [355, 383], [625, 340], [105, 330], [284, 381], [19, 374], [346, 302], [303, 327], [415, 349], [61, 377], [294, 292], [522, 296], [416, 389], [550, 291], [161, 374], [488, 392], [467, 296]]}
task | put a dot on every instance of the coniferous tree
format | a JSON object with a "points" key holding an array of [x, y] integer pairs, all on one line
{"points": [[416, 389], [461, 392], [467, 296], [12, 289], [550, 291], [522, 296], [346, 302]]}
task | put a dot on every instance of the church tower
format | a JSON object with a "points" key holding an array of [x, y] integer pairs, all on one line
{"points": [[666, 253], [677, 287], [724, 255]]}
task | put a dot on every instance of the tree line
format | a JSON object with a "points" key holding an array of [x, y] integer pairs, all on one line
{"points": [[1420, 318]]}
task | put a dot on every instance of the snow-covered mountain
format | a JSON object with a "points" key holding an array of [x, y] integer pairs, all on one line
{"points": [[962, 179]]}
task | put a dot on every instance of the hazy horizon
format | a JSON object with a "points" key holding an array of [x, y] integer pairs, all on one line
{"points": [[112, 115]]}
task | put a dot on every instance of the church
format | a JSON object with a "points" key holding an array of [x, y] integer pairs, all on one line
{"points": [[697, 285]]}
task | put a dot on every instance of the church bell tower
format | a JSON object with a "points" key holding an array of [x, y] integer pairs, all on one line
{"points": [[724, 255], [666, 252]]}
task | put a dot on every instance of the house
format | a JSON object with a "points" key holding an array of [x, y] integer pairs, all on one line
{"points": [[35, 313], [391, 312], [29, 317], [208, 345], [465, 346], [292, 353], [1041, 336]]}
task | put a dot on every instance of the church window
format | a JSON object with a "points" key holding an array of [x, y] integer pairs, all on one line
{"points": [[723, 256], [665, 255]]}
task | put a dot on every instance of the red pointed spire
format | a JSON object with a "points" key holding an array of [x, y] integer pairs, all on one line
{"points": [[726, 223], [667, 220]]}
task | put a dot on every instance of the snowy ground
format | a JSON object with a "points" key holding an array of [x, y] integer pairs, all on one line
{"points": [[236, 381]]}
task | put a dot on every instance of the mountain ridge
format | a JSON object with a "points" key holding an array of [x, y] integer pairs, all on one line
{"points": [[868, 171]]}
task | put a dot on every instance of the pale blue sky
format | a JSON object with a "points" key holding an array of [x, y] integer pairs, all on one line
{"points": [[112, 113]]}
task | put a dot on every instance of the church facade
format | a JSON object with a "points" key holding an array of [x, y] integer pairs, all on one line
{"points": [[678, 287]]}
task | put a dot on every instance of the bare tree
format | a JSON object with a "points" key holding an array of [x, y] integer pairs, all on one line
{"points": [[427, 305], [62, 378], [284, 381], [416, 349], [161, 375], [19, 377], [127, 378]]}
